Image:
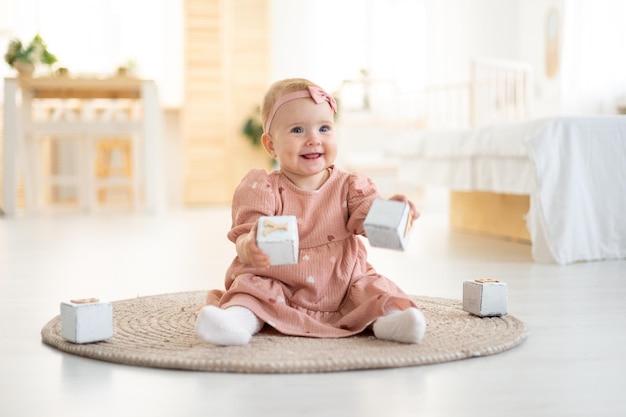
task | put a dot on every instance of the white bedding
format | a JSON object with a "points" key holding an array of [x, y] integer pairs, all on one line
{"points": [[491, 158], [573, 168]]}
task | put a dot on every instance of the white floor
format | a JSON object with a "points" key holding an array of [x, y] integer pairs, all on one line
{"points": [[572, 364]]}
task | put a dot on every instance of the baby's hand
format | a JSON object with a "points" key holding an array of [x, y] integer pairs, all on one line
{"points": [[249, 252], [414, 213]]}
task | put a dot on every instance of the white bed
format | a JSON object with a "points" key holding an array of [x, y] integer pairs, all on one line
{"points": [[573, 169]]}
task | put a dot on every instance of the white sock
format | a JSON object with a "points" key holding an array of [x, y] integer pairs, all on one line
{"points": [[231, 326], [406, 326]]}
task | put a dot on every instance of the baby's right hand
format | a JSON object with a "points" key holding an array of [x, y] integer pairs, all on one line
{"points": [[249, 252]]}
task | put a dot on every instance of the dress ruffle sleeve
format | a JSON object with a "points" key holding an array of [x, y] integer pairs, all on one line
{"points": [[362, 192], [253, 197]]}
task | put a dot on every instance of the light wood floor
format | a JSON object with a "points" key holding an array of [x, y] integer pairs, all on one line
{"points": [[572, 364]]}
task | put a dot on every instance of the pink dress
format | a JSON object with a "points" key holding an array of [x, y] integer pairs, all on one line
{"points": [[332, 291]]}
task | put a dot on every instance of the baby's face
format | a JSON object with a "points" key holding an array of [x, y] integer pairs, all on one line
{"points": [[302, 139]]}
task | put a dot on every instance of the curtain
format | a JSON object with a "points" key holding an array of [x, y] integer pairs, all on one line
{"points": [[594, 56]]}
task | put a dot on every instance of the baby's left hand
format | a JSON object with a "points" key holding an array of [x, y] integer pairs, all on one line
{"points": [[399, 197]]}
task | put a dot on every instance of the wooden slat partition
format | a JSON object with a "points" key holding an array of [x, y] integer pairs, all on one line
{"points": [[227, 69]]}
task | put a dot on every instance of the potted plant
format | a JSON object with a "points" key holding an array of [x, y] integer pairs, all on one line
{"points": [[253, 129], [25, 58]]}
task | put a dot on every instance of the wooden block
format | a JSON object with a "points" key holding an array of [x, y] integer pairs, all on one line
{"points": [[388, 224], [485, 297], [86, 320], [277, 236]]}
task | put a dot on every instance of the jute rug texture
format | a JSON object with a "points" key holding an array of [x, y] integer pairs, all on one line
{"points": [[158, 331]]}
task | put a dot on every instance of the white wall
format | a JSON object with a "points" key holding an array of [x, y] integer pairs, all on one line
{"points": [[591, 76], [458, 30], [414, 42], [329, 41], [532, 44], [421, 42]]}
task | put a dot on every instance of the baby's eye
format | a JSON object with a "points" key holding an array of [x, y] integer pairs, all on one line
{"points": [[297, 130], [324, 128]]}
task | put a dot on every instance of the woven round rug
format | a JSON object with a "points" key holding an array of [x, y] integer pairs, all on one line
{"points": [[158, 331]]}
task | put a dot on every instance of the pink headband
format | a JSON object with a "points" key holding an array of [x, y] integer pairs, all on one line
{"points": [[317, 94]]}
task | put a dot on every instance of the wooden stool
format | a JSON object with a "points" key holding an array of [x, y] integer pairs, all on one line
{"points": [[112, 177]]}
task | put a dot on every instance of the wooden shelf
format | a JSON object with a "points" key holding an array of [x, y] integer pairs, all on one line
{"points": [[82, 88]]}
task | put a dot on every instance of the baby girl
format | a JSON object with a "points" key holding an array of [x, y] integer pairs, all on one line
{"points": [[332, 291]]}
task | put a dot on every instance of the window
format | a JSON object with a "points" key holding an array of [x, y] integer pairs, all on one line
{"points": [[95, 37]]}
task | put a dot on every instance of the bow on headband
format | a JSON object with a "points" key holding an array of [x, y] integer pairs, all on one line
{"points": [[318, 95]]}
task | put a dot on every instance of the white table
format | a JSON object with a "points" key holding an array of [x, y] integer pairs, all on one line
{"points": [[18, 123]]}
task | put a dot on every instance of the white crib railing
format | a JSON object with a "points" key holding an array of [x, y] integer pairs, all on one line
{"points": [[497, 91]]}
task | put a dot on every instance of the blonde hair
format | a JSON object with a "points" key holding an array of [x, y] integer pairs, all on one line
{"points": [[279, 89]]}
